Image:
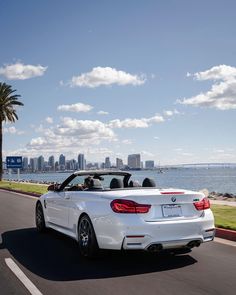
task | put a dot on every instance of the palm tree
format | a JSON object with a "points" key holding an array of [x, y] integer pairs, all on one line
{"points": [[8, 101]]}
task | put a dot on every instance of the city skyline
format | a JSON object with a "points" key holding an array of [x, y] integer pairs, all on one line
{"points": [[115, 78], [41, 164]]}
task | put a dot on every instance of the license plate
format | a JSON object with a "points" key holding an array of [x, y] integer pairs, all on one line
{"points": [[171, 210]]}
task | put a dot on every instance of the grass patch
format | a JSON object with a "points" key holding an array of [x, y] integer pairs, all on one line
{"points": [[225, 216], [24, 187]]}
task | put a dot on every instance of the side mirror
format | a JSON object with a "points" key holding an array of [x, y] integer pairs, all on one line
{"points": [[53, 187]]}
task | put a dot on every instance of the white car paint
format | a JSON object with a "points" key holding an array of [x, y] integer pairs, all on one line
{"points": [[63, 209]]}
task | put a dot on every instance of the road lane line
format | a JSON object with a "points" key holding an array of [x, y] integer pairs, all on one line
{"points": [[22, 277]]}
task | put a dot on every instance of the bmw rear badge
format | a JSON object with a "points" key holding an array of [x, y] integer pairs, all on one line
{"points": [[173, 199]]}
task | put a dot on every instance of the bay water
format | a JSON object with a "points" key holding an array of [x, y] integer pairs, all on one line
{"points": [[216, 179]]}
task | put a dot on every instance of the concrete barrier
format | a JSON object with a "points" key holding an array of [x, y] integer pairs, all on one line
{"points": [[20, 192], [226, 234]]}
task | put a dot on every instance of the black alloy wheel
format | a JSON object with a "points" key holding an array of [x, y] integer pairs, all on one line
{"points": [[39, 218], [87, 239]]}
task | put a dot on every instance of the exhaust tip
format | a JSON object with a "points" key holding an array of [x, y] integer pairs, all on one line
{"points": [[193, 244], [155, 248]]}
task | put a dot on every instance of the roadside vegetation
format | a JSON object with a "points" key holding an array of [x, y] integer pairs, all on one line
{"points": [[225, 216], [24, 187]]}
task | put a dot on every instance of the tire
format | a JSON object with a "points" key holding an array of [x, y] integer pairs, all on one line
{"points": [[39, 218], [87, 240]]}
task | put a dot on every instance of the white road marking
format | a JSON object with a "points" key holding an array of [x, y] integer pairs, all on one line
{"points": [[224, 241], [22, 277]]}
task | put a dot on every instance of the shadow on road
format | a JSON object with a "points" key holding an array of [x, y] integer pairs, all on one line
{"points": [[55, 257]]}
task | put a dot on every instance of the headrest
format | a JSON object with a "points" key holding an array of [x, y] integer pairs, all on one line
{"points": [[134, 183], [95, 184], [116, 183], [148, 182]]}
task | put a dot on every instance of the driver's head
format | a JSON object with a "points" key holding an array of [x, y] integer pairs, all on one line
{"points": [[87, 181]]}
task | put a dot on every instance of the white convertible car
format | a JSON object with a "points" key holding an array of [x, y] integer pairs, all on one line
{"points": [[109, 210]]}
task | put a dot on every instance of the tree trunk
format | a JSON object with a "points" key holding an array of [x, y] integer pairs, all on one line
{"points": [[0, 150]]}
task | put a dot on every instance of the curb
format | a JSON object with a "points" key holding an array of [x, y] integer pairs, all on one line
{"points": [[20, 192], [226, 234]]}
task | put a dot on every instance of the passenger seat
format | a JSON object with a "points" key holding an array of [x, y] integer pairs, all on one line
{"points": [[148, 182], [116, 183]]}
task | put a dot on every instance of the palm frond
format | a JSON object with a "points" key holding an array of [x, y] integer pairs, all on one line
{"points": [[8, 100]]}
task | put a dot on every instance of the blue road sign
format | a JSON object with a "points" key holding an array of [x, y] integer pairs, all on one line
{"points": [[14, 162]]}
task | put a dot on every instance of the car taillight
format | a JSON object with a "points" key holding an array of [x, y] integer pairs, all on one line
{"points": [[127, 206], [203, 204]]}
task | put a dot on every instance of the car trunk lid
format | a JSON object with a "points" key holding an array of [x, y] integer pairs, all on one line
{"points": [[165, 204]]}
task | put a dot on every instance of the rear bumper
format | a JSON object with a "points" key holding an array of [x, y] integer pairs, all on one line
{"points": [[165, 245], [124, 232]]}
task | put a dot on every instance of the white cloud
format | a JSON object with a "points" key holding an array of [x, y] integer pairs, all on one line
{"points": [[49, 120], [77, 107], [170, 113], [102, 113], [106, 76], [222, 157], [100, 151], [19, 71], [13, 130], [222, 94], [135, 123], [221, 72], [128, 123], [219, 151], [155, 119], [83, 128], [69, 135], [186, 154], [147, 154], [39, 128], [127, 141], [178, 149]]}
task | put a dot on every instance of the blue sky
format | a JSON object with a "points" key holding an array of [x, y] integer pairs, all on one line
{"points": [[110, 78]]}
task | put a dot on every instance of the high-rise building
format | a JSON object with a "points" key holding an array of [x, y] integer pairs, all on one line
{"points": [[71, 164], [107, 163], [51, 163], [149, 164], [96, 165], [134, 161], [56, 166], [33, 164], [74, 164], [25, 163], [119, 163], [40, 163], [62, 162], [81, 162]]}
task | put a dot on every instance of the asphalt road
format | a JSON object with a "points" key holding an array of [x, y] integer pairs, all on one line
{"points": [[51, 261]]}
